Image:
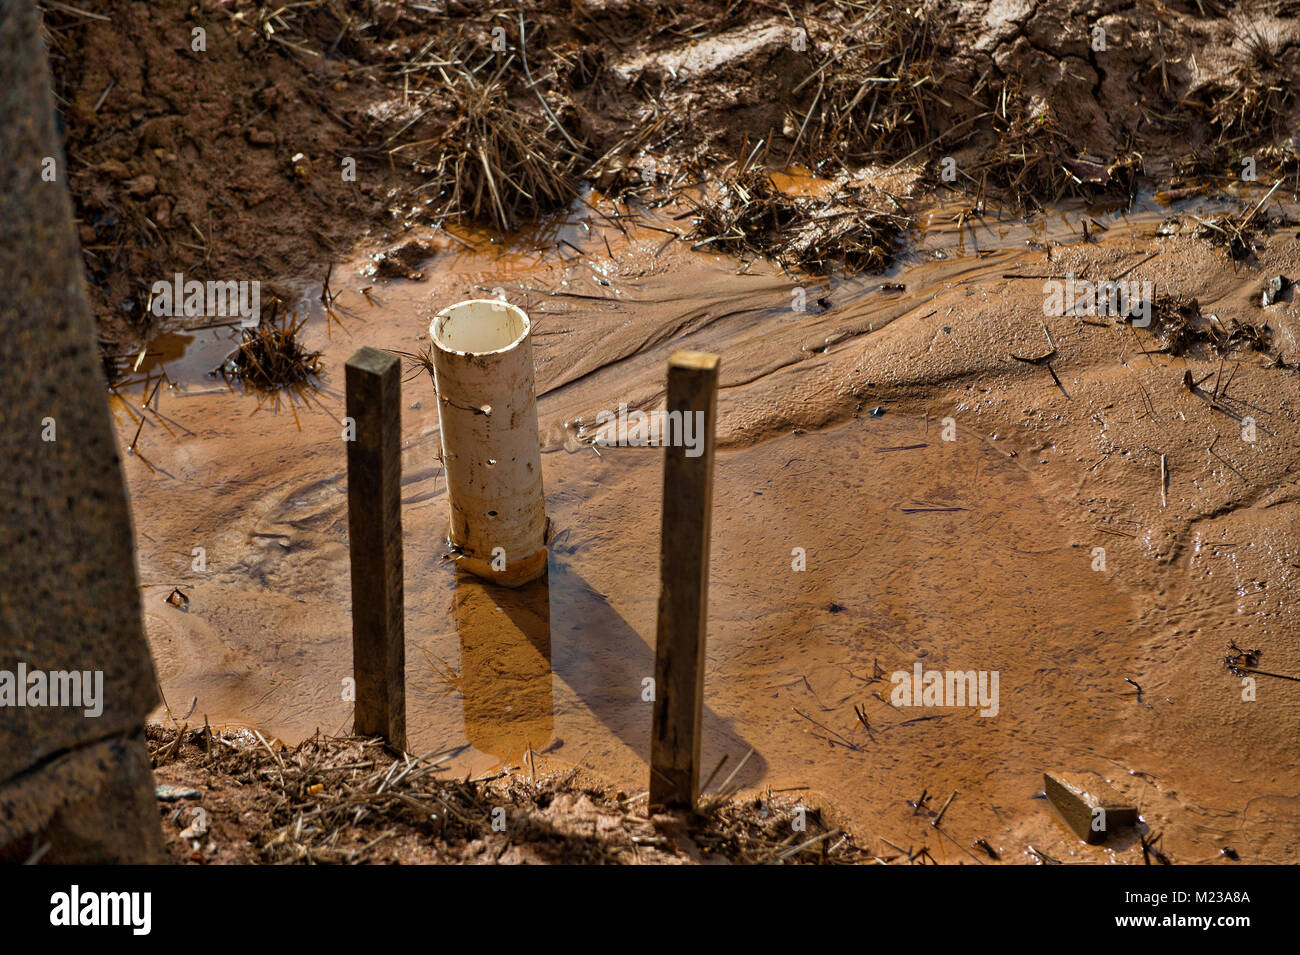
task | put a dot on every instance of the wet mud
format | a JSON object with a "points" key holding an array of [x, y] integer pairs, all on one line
{"points": [[893, 488]]}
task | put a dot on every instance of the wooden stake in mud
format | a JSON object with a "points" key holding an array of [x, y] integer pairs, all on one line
{"points": [[684, 580], [374, 441]]}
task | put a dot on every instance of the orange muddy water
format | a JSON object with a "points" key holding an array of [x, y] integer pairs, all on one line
{"points": [[846, 546]]}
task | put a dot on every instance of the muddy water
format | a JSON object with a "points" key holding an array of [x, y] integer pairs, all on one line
{"points": [[845, 546]]}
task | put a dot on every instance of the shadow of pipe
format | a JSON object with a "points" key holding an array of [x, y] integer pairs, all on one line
{"points": [[513, 640]]}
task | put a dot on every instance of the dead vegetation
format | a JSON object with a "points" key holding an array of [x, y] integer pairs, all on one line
{"points": [[493, 161], [1181, 328], [1032, 163], [1253, 106], [498, 114], [271, 358], [1239, 233], [856, 227], [876, 87], [347, 800], [1245, 115]]}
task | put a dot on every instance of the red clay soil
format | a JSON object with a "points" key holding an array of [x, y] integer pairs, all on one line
{"points": [[226, 162], [1072, 434]]}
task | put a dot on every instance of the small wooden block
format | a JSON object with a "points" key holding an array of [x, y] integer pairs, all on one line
{"points": [[1082, 798]]}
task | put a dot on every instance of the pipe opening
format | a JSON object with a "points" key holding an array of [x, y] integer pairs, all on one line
{"points": [[480, 327]]}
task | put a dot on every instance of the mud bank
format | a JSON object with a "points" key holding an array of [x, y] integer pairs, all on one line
{"points": [[197, 133]]}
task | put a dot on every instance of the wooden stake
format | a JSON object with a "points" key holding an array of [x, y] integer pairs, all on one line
{"points": [[684, 583], [374, 402]]}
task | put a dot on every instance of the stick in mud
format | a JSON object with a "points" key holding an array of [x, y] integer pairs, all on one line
{"points": [[684, 589], [934, 823], [374, 402]]}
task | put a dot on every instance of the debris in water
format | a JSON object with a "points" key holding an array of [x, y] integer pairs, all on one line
{"points": [[1134, 683], [1149, 849], [1241, 662], [857, 227], [1180, 325], [402, 262], [1164, 481], [1239, 234], [1088, 805], [934, 823], [166, 792], [1274, 290], [271, 358]]}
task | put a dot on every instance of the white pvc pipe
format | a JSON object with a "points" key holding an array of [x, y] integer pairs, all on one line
{"points": [[487, 406]]}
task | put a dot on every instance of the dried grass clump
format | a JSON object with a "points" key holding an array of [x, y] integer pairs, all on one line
{"points": [[851, 229], [757, 831], [847, 231], [309, 797], [1257, 103], [1181, 327], [747, 215], [1033, 163], [326, 786], [497, 160], [271, 358], [875, 88]]}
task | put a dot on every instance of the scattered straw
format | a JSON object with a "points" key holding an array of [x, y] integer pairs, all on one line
{"points": [[856, 228], [348, 800]]}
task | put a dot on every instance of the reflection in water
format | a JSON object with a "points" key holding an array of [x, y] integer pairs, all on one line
{"points": [[505, 662], [508, 656]]}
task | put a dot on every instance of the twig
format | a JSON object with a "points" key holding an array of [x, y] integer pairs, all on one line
{"points": [[934, 823]]}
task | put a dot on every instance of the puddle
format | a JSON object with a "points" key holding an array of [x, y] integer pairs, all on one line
{"points": [[914, 548]]}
